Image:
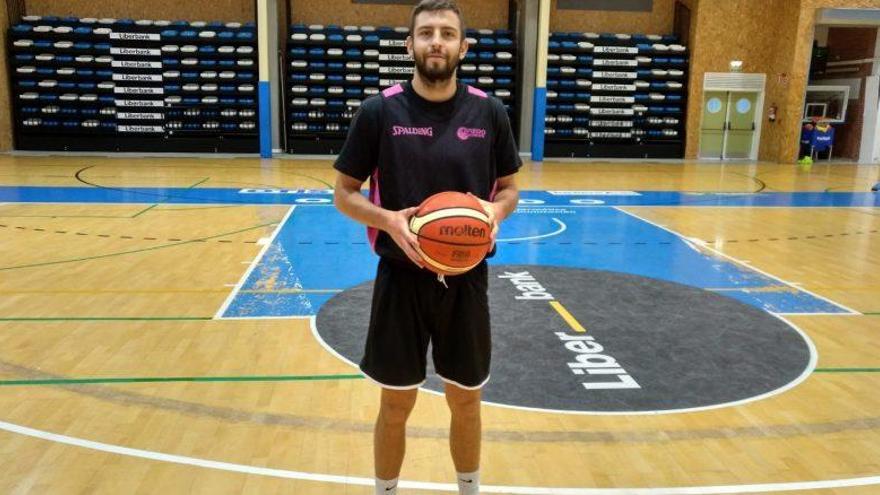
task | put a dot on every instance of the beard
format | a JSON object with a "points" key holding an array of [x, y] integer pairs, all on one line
{"points": [[434, 71]]}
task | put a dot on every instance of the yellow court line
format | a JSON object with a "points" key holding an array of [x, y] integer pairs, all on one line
{"points": [[572, 322]]}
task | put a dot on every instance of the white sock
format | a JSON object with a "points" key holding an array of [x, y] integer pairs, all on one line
{"points": [[387, 487], [469, 483]]}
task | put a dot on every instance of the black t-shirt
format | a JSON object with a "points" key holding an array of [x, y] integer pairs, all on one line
{"points": [[411, 148]]}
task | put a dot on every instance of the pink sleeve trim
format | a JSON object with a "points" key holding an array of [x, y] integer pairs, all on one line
{"points": [[393, 90], [477, 92]]}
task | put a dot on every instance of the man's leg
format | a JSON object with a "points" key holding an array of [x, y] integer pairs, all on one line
{"points": [[465, 429], [389, 436]]}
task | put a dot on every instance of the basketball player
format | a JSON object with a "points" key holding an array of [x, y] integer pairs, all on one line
{"points": [[425, 136]]}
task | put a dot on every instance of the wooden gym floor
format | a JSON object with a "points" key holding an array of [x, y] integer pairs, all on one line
{"points": [[99, 302]]}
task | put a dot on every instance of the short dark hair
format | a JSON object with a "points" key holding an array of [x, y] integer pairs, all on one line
{"points": [[436, 6]]}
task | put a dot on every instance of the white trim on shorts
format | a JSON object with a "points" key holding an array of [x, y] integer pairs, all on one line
{"points": [[453, 382], [392, 387]]}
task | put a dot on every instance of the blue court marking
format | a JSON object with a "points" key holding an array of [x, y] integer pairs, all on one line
{"points": [[316, 249], [41, 194], [319, 249]]}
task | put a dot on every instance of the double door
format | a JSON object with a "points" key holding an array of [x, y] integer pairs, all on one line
{"points": [[729, 124]]}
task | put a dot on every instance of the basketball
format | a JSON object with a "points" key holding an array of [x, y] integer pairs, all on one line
{"points": [[453, 231]]}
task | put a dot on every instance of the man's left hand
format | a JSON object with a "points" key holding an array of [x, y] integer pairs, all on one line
{"points": [[489, 208]]}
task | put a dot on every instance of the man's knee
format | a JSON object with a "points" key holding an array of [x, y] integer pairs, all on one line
{"points": [[396, 405], [463, 402]]}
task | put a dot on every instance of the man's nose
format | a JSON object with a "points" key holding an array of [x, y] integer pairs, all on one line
{"points": [[436, 40]]}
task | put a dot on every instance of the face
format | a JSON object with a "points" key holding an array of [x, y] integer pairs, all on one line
{"points": [[437, 45]]}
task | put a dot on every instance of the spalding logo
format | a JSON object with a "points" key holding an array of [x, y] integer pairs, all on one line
{"points": [[399, 130]]}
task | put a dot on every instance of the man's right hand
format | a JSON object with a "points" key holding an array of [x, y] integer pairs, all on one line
{"points": [[397, 226]]}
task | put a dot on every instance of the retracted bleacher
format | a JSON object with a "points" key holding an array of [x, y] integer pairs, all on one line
{"points": [[615, 96], [332, 69], [124, 85]]}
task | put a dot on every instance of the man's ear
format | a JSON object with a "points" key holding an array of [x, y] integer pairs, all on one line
{"points": [[409, 45], [462, 51]]}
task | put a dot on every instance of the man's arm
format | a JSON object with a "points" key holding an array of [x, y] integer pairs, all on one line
{"points": [[507, 162], [506, 197], [505, 201], [348, 199]]}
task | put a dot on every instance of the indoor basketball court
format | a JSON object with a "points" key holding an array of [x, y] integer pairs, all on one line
{"points": [[677, 305]]}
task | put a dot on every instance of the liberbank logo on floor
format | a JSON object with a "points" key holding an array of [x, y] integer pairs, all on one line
{"points": [[596, 341], [589, 341], [588, 357]]}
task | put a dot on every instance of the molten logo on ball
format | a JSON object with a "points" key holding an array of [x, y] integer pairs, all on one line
{"points": [[462, 230]]}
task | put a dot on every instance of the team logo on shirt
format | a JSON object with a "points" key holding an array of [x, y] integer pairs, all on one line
{"points": [[465, 133], [399, 130]]}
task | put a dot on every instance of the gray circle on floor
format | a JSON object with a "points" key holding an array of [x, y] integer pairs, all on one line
{"points": [[646, 345]]}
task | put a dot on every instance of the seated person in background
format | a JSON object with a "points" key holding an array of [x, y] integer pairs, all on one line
{"points": [[823, 137], [806, 139]]}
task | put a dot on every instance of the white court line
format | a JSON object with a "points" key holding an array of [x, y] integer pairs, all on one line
{"points": [[440, 487], [691, 244], [818, 314], [749, 266], [254, 263], [558, 231]]}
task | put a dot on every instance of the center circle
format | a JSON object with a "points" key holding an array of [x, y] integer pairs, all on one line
{"points": [[589, 341]]}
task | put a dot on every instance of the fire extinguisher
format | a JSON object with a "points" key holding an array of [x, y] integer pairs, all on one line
{"points": [[771, 113]]}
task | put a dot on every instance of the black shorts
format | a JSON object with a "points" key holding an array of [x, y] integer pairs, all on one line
{"points": [[411, 309]]}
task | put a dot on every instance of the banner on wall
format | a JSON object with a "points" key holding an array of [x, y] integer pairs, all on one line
{"points": [[621, 5]]}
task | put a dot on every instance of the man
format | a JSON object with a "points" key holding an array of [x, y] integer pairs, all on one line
{"points": [[416, 139]]}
